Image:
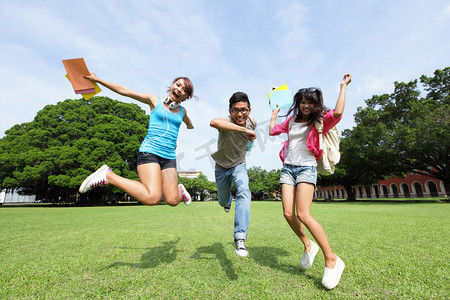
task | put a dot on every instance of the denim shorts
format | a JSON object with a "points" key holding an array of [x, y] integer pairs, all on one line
{"points": [[150, 158], [295, 174]]}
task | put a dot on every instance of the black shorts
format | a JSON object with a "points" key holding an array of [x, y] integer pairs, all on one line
{"points": [[149, 158]]}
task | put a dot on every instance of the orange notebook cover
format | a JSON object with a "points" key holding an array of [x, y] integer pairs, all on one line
{"points": [[89, 95], [76, 68]]}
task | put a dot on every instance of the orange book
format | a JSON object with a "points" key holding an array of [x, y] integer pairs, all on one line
{"points": [[76, 68], [88, 96]]}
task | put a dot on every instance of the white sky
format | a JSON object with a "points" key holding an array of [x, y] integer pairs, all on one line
{"points": [[224, 47]]}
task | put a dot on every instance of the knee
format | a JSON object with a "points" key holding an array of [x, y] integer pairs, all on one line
{"points": [[304, 217], [243, 193], [151, 200], [172, 202], [289, 216], [224, 200], [173, 199]]}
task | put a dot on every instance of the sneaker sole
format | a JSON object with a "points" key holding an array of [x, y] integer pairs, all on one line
{"points": [[86, 181], [241, 255]]}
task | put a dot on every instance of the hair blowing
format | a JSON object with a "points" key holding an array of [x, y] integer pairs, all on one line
{"points": [[314, 97]]}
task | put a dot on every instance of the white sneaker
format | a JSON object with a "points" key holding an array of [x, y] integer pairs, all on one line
{"points": [[95, 179], [331, 277], [185, 195], [240, 248], [308, 258], [227, 208]]}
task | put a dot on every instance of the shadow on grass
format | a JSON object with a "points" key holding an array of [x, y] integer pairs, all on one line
{"points": [[269, 256], [216, 251], [155, 256]]}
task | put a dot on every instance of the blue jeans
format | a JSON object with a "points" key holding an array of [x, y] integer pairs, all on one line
{"points": [[238, 176]]}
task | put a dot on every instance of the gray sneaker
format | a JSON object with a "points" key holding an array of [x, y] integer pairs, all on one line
{"points": [[240, 248]]}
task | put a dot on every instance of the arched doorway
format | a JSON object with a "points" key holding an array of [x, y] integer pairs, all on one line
{"points": [[395, 190], [419, 190], [405, 189], [377, 193], [385, 191], [368, 192], [433, 189]]}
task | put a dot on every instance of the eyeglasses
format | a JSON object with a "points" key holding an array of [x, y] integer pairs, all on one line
{"points": [[309, 90], [242, 110]]}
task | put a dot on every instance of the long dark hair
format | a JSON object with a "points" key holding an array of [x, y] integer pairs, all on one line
{"points": [[313, 95]]}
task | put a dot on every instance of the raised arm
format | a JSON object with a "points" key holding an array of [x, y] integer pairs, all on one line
{"points": [[225, 125], [340, 103], [186, 120], [273, 119], [149, 99]]}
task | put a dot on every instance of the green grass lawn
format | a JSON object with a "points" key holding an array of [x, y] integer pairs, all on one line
{"points": [[390, 250]]}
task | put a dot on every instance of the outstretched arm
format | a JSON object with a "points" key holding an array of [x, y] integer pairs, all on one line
{"points": [[149, 99], [225, 125], [340, 103], [186, 119]]}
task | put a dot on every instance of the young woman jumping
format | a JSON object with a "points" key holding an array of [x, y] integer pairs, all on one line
{"points": [[156, 164], [299, 174]]}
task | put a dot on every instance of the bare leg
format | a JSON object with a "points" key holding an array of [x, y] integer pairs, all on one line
{"points": [[172, 193], [288, 196], [148, 191], [303, 198]]}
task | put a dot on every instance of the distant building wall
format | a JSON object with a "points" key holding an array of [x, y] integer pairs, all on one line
{"points": [[412, 186], [14, 197], [191, 175]]}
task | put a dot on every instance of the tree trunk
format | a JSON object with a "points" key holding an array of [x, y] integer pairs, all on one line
{"points": [[350, 194], [447, 188]]}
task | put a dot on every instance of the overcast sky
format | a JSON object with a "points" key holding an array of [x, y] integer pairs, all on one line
{"points": [[224, 47]]}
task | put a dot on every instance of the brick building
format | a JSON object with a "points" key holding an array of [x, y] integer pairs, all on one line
{"points": [[412, 186]]}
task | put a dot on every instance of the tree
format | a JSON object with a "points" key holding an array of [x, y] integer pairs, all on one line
{"points": [[273, 181], [262, 181], [257, 181], [425, 147], [364, 160], [51, 155], [198, 186], [400, 132]]}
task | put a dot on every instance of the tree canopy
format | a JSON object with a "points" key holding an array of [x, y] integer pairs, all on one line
{"points": [[399, 132], [198, 186], [262, 181], [51, 155]]}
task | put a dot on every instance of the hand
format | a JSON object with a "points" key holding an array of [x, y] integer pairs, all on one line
{"points": [[347, 79], [276, 110], [190, 126], [251, 135], [91, 77]]}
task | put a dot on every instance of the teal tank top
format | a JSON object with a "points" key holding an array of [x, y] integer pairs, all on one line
{"points": [[162, 132]]}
